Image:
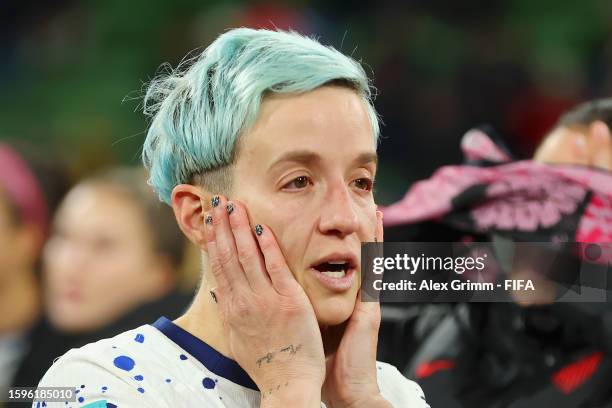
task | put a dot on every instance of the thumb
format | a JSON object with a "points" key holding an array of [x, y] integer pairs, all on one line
{"points": [[366, 314], [379, 232]]}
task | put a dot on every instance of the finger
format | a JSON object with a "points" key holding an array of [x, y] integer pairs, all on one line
{"points": [[215, 267], [379, 234], [366, 274], [278, 270], [225, 245], [601, 145], [366, 315], [247, 249]]}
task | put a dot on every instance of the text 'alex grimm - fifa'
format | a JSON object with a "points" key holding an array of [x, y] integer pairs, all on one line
{"points": [[457, 284], [458, 265]]}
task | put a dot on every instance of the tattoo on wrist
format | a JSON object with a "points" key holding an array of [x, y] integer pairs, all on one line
{"points": [[267, 358], [269, 391], [291, 349]]}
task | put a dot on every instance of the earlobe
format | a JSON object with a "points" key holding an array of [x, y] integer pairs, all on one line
{"points": [[189, 204]]}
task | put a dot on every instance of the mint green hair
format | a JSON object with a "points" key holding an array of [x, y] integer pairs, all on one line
{"points": [[199, 110]]}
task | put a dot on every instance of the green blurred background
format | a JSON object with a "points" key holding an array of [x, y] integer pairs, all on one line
{"points": [[73, 72]]}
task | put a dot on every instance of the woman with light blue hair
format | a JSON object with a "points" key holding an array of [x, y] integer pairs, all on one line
{"points": [[265, 147]]}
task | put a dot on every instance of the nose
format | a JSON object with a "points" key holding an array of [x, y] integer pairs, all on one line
{"points": [[338, 215]]}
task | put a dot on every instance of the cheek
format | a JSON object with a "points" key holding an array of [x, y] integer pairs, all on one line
{"points": [[290, 222], [123, 265], [114, 282]]}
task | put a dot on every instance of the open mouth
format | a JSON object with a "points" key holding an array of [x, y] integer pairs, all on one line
{"points": [[334, 269]]}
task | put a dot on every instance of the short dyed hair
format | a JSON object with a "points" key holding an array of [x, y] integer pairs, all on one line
{"points": [[199, 110]]}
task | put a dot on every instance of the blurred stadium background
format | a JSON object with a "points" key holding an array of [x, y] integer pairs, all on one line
{"points": [[72, 72]]}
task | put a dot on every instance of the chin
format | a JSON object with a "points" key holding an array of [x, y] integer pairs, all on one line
{"points": [[334, 310]]}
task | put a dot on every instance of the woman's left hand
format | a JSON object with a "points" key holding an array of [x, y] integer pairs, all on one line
{"points": [[351, 370]]}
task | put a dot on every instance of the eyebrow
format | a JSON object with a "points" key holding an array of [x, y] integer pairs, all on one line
{"points": [[307, 157]]}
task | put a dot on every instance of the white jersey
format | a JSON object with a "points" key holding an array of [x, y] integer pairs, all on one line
{"points": [[162, 365]]}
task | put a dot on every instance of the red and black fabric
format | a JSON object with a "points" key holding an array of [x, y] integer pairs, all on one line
{"points": [[523, 200], [501, 354]]}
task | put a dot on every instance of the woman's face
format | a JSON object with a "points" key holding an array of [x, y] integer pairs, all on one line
{"points": [[99, 261], [306, 170]]}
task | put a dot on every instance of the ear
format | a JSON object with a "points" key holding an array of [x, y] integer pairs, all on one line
{"points": [[189, 204]]}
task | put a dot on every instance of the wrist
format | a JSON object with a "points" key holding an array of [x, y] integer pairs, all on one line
{"points": [[376, 401], [293, 393]]}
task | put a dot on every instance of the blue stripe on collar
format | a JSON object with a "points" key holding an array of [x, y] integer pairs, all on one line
{"points": [[211, 358]]}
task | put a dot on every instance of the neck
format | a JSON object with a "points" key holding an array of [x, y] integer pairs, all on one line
{"points": [[202, 320], [20, 295]]}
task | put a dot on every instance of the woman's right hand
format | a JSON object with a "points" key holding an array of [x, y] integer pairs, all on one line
{"points": [[269, 322]]}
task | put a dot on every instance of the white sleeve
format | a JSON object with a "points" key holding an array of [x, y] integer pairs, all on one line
{"points": [[398, 390], [95, 384]]}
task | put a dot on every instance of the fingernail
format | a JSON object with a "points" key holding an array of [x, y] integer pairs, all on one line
{"points": [[230, 208], [258, 229], [213, 296], [215, 201], [208, 220]]}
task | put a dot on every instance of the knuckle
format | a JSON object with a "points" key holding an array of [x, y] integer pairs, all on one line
{"points": [[216, 269], [215, 266], [245, 255], [224, 254], [216, 222], [275, 265], [290, 309], [237, 219], [265, 244]]}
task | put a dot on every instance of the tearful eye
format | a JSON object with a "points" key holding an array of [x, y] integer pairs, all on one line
{"points": [[297, 183], [364, 184]]}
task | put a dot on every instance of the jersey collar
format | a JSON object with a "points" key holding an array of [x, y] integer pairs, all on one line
{"points": [[205, 354]]}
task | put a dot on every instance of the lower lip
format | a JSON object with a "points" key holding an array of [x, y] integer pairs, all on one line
{"points": [[336, 284]]}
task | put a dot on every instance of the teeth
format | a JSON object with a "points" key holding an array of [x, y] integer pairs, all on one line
{"points": [[337, 262], [334, 274]]}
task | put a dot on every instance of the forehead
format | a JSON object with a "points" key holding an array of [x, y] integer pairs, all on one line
{"points": [[90, 204], [322, 120]]}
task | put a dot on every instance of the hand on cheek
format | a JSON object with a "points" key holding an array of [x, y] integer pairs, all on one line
{"points": [[351, 369], [270, 324]]}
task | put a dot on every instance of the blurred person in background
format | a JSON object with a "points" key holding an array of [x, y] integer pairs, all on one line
{"points": [[112, 262], [31, 186], [113, 247], [529, 352], [581, 137]]}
